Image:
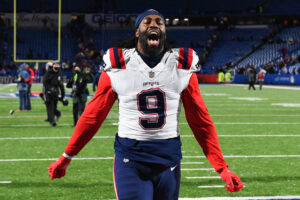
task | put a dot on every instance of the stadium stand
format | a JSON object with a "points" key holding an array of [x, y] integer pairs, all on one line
{"points": [[221, 42]]}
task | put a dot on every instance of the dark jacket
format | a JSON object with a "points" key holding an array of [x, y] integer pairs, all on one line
{"points": [[78, 83], [53, 83]]}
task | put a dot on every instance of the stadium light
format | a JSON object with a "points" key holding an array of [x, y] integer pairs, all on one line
{"points": [[185, 21], [175, 21], [167, 21]]}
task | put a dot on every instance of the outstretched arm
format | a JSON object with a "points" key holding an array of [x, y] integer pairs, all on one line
{"points": [[87, 125], [205, 133]]}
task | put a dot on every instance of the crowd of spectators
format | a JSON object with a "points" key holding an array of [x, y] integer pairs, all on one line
{"points": [[87, 54]]}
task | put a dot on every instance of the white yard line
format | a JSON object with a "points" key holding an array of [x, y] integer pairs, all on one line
{"points": [[211, 186], [197, 169], [32, 125], [251, 156], [49, 159], [255, 115], [192, 163], [257, 123], [184, 169], [52, 138], [203, 177], [30, 116], [213, 115], [183, 123], [259, 135], [5, 182], [246, 135], [112, 137]]}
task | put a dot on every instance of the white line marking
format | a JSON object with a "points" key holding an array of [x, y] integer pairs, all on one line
{"points": [[215, 94], [213, 115], [5, 182], [252, 156], [286, 104], [259, 123], [48, 159], [112, 137], [211, 186], [248, 98], [259, 135], [192, 163], [185, 169], [46, 124], [52, 138], [202, 177], [255, 115], [30, 116], [197, 169], [183, 123], [222, 135], [244, 198], [31, 125]]}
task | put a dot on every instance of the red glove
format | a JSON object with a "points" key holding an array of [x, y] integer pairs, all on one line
{"points": [[58, 168], [234, 182]]}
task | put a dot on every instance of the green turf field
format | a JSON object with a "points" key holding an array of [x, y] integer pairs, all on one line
{"points": [[259, 133]]}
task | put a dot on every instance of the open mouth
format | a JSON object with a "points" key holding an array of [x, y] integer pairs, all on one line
{"points": [[153, 38]]}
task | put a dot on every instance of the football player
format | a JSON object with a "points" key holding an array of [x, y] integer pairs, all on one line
{"points": [[150, 81]]}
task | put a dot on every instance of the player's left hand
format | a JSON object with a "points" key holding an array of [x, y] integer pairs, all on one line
{"points": [[234, 182]]}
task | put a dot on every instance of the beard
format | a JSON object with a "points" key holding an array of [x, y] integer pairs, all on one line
{"points": [[149, 49]]}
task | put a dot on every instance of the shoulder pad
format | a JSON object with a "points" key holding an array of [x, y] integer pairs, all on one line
{"points": [[114, 58], [188, 59]]}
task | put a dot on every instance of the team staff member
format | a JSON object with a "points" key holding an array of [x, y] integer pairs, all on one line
{"points": [[260, 78], [54, 90], [150, 80], [31, 73], [22, 83], [80, 91], [251, 78]]}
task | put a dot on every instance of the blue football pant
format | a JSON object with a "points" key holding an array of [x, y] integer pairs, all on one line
{"points": [[145, 181]]}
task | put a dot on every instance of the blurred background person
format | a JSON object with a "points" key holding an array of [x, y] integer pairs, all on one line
{"points": [[251, 78], [22, 83], [78, 83], [228, 77], [261, 78], [54, 91], [31, 74]]}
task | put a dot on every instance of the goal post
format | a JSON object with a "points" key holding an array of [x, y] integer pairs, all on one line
{"points": [[15, 38]]}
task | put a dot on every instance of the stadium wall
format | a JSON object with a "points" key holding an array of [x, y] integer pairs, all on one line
{"points": [[207, 78], [272, 79]]}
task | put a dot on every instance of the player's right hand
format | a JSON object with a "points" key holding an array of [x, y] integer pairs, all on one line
{"points": [[58, 168], [234, 182]]}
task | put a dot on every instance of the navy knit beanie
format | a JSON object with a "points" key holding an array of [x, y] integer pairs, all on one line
{"points": [[141, 16]]}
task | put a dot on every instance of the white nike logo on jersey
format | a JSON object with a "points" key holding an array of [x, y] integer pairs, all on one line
{"points": [[172, 168]]}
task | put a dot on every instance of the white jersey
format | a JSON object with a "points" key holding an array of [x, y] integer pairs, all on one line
{"points": [[149, 98]]}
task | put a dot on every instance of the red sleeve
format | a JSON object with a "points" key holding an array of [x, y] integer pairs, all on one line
{"points": [[31, 73], [201, 124], [93, 116]]}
